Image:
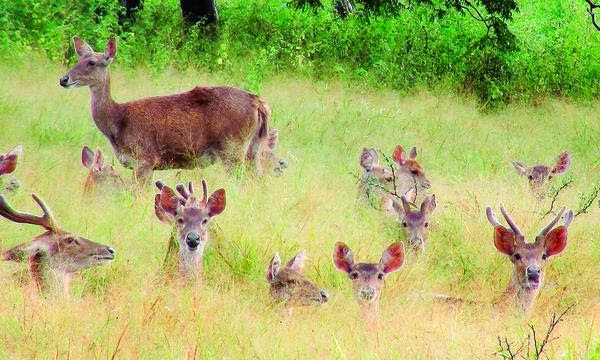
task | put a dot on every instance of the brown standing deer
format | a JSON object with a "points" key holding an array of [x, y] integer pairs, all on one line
{"points": [[288, 285], [539, 176], [191, 217], [8, 164], [367, 278], [415, 223], [100, 175], [528, 258], [56, 254], [378, 180], [180, 131]]}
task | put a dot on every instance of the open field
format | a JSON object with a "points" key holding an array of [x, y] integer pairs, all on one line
{"points": [[125, 309]]}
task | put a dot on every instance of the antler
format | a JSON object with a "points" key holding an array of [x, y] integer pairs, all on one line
{"points": [[552, 223], [510, 222], [161, 184], [491, 217], [204, 191], [46, 220]]}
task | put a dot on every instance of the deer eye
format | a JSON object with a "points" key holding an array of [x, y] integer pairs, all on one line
{"points": [[180, 221], [354, 275], [427, 224], [549, 177], [72, 241], [414, 172], [530, 177], [204, 221], [91, 63], [380, 276], [517, 256], [545, 256], [404, 224]]}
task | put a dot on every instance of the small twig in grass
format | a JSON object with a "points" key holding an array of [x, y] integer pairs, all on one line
{"points": [[555, 196], [119, 342], [585, 201]]}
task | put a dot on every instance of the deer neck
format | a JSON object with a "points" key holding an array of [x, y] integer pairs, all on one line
{"points": [[104, 108], [190, 263], [525, 296], [370, 314]]}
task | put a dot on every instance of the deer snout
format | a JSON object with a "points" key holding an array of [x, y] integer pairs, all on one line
{"points": [[324, 296], [283, 164], [533, 275], [64, 81], [192, 239], [366, 294]]}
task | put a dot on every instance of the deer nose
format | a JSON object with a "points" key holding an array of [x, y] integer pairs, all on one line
{"points": [[111, 250], [283, 164], [533, 271], [192, 239], [367, 294], [64, 81], [324, 296]]}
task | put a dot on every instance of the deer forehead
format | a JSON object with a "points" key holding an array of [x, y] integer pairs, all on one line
{"points": [[288, 275], [415, 217], [194, 212], [413, 165], [540, 170], [368, 269]]}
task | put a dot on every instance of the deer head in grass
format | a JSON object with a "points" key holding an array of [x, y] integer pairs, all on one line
{"points": [[539, 176]]}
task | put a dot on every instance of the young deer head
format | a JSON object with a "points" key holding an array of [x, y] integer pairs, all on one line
{"points": [[269, 160], [415, 222], [8, 164], [55, 252], [90, 69], [539, 176], [191, 217], [409, 168], [288, 284], [367, 278], [528, 258], [100, 174]]}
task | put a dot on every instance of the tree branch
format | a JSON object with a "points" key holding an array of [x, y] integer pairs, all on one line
{"points": [[590, 11]]}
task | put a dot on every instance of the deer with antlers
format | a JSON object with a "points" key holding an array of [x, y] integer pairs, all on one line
{"points": [[367, 278], [389, 182], [100, 175], [415, 223], [181, 131], [539, 176], [287, 284], [8, 164], [190, 218], [56, 254], [528, 258]]}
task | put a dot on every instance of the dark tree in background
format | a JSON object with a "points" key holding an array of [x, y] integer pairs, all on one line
{"points": [[131, 7], [195, 11]]}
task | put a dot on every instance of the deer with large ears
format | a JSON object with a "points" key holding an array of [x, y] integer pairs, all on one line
{"points": [[289, 285], [415, 223], [191, 217], [367, 278], [181, 131], [528, 258], [8, 164], [56, 254], [539, 176], [100, 174]]}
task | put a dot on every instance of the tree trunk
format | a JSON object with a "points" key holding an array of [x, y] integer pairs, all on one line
{"points": [[194, 11]]}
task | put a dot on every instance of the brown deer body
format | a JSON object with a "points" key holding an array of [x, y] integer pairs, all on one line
{"points": [[367, 278], [181, 131], [288, 285], [539, 176], [528, 258], [56, 254], [190, 217], [8, 164], [101, 175]]}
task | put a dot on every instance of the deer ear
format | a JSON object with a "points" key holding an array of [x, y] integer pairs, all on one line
{"points": [[18, 253], [398, 209], [562, 163], [368, 159], [521, 168], [343, 258], [399, 155], [392, 258], [504, 240], [428, 205], [160, 213], [413, 153], [98, 160], [556, 241], [216, 203], [87, 157], [81, 47], [297, 262], [8, 164], [169, 201], [274, 267], [272, 139], [110, 51]]}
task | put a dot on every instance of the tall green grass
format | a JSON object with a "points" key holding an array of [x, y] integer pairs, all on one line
{"points": [[323, 126]]}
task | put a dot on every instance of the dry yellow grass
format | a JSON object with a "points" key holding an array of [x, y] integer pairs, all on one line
{"points": [[125, 309]]}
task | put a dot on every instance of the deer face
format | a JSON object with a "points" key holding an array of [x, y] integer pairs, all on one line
{"points": [[100, 174], [529, 258], [269, 160], [539, 176], [373, 171], [288, 284], [8, 164], [415, 223], [367, 278], [91, 67], [191, 217], [409, 167]]}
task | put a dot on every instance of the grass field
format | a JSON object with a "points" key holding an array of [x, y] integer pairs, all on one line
{"points": [[124, 308]]}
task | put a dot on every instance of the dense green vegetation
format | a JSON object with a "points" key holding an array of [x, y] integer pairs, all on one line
{"points": [[555, 54]]}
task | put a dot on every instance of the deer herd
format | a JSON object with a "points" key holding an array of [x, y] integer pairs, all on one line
{"points": [[196, 128]]}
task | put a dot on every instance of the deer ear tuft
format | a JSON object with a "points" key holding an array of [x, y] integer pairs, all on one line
{"points": [[87, 157], [110, 51], [81, 47], [343, 258], [274, 267], [562, 163], [504, 240], [399, 156], [521, 168]]}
